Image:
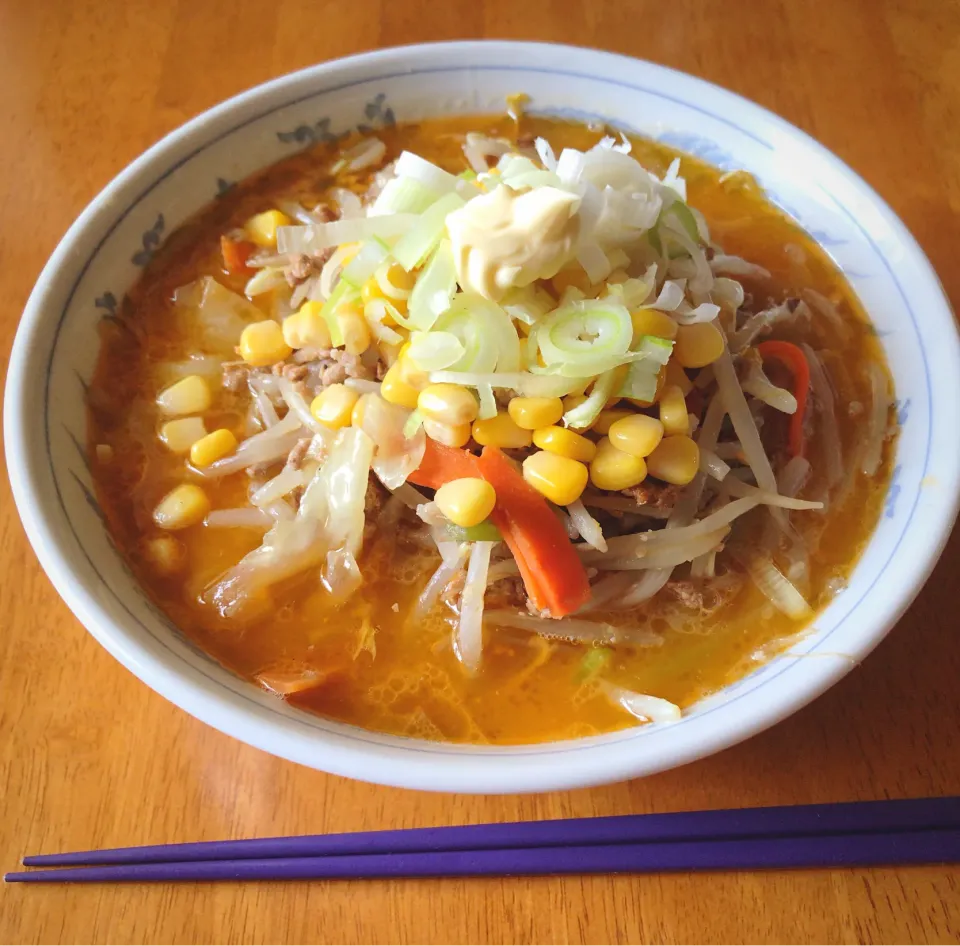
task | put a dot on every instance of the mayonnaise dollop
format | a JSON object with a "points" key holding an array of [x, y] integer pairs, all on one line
{"points": [[505, 238]]}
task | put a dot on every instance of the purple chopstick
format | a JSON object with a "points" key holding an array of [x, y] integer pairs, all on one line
{"points": [[782, 821], [830, 851]]}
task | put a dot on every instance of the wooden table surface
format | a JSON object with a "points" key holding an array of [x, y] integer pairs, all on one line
{"points": [[91, 757]]}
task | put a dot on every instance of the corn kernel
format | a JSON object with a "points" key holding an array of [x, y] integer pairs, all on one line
{"points": [[307, 328], [356, 415], [466, 502], [181, 434], [450, 435], [606, 419], [501, 431], [573, 275], [334, 405], [190, 395], [533, 412], [409, 371], [354, 328], [652, 322], [262, 228], [165, 554], [613, 469], [448, 404], [637, 435], [698, 345], [370, 291], [677, 376], [560, 479], [571, 401], [184, 506], [211, 448], [565, 443], [673, 411], [675, 461], [262, 344], [395, 390], [393, 286]]}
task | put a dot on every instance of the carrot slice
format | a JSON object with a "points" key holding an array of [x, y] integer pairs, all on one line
{"points": [[441, 464], [552, 572], [235, 254], [793, 358]]}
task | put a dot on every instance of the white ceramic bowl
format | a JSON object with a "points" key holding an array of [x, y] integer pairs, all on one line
{"points": [[103, 253]]}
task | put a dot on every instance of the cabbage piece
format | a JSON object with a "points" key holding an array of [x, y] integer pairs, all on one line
{"points": [[345, 474], [222, 314], [399, 444]]}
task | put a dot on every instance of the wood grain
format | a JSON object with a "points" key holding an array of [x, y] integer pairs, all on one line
{"points": [[90, 757]]}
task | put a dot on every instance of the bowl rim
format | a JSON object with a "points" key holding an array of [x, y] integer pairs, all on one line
{"points": [[352, 757]]}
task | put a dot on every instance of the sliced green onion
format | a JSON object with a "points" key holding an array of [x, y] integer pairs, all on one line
{"points": [[489, 338], [365, 263], [485, 531], [588, 337], [403, 195], [319, 236], [434, 289], [488, 403], [434, 351], [530, 385], [342, 292], [586, 413], [594, 660], [418, 242], [655, 349], [424, 172], [641, 380], [378, 309], [412, 424], [685, 218]]}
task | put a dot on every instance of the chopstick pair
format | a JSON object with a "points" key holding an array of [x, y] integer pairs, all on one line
{"points": [[910, 831]]}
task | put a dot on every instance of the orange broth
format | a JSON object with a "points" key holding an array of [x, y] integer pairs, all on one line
{"points": [[388, 673]]}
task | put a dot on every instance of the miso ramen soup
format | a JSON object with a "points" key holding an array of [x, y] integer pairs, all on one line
{"points": [[491, 430]]}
